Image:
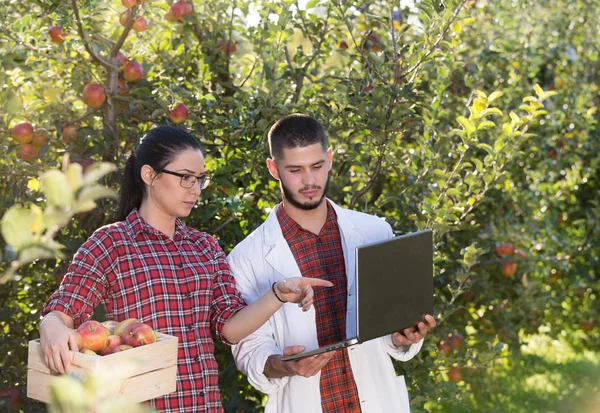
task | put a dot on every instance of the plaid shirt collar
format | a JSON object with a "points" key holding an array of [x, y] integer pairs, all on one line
{"points": [[289, 227], [135, 224]]}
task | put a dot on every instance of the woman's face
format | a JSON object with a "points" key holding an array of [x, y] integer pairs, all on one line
{"points": [[166, 192]]}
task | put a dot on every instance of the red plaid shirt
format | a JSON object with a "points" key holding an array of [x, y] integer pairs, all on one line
{"points": [[180, 286], [321, 256]]}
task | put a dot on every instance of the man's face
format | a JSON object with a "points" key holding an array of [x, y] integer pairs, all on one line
{"points": [[303, 174]]}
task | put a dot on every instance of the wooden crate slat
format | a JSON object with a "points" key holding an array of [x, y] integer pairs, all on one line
{"points": [[152, 369], [137, 388]]}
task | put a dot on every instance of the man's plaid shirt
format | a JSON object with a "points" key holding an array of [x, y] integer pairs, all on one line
{"points": [[321, 256]]}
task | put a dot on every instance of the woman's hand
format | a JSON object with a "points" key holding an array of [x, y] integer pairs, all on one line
{"points": [[299, 290], [56, 340]]}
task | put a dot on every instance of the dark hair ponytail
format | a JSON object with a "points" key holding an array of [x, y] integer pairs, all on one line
{"points": [[157, 149]]}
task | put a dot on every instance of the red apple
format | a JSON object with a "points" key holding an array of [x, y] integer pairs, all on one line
{"points": [[40, 137], [139, 334], [22, 132], [454, 374], [227, 46], [133, 72], [179, 113], [587, 325], [93, 95], [124, 18], [139, 24], [179, 9], [130, 3], [169, 17], [27, 152], [69, 133], [95, 335], [122, 347], [110, 324], [369, 88], [85, 164], [123, 60], [509, 268], [373, 43], [113, 342], [445, 347], [504, 249], [456, 340], [122, 88], [124, 325], [56, 34]]}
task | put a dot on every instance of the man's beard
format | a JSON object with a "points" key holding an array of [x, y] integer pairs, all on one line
{"points": [[307, 206]]}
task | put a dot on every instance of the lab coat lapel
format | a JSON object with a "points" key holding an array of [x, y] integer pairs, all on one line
{"points": [[351, 238], [279, 256]]}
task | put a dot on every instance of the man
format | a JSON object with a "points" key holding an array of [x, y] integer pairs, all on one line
{"points": [[308, 235]]}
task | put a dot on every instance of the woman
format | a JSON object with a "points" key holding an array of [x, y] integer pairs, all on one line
{"points": [[150, 266]]}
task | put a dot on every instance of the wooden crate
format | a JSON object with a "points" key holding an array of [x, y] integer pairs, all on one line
{"points": [[151, 370]]}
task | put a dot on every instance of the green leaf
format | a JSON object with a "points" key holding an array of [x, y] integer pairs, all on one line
{"points": [[491, 111], [494, 95], [486, 147], [547, 95], [13, 104], [486, 125], [481, 94], [538, 90], [17, 224], [56, 186], [97, 171], [92, 193], [527, 108], [466, 124]]}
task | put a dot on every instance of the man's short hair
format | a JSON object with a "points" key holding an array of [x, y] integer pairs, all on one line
{"points": [[293, 131]]}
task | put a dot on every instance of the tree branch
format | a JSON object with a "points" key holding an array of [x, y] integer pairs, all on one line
{"points": [[82, 34], [437, 41], [87, 113], [117, 46], [33, 48]]}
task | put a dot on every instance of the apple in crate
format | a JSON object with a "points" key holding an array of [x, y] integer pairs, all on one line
{"points": [[113, 343], [110, 325], [94, 334], [122, 347], [139, 334], [123, 325]]}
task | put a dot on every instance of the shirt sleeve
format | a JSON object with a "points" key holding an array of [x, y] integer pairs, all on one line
{"points": [[226, 299], [85, 283]]}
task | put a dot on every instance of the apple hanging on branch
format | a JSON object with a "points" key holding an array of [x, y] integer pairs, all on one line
{"points": [[22, 132], [69, 133], [93, 95], [56, 34], [133, 72], [179, 113], [179, 9]]}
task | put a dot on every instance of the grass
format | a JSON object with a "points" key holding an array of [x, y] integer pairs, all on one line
{"points": [[549, 376]]}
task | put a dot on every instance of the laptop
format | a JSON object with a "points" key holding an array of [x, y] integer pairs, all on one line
{"points": [[394, 288]]}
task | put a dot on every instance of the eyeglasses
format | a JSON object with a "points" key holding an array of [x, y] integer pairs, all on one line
{"points": [[188, 180]]}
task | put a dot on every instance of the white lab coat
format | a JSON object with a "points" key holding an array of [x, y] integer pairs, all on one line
{"points": [[264, 258]]}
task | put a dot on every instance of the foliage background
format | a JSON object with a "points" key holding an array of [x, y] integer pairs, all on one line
{"points": [[390, 82]]}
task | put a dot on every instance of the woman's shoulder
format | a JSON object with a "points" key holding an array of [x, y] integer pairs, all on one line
{"points": [[200, 237], [116, 231]]}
